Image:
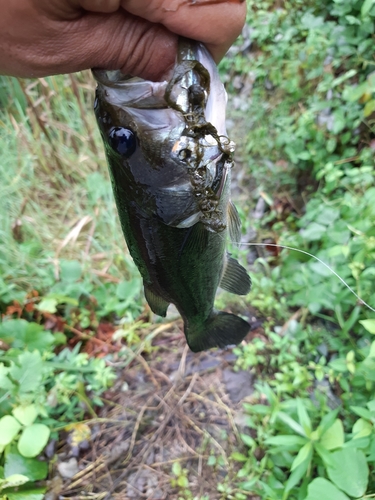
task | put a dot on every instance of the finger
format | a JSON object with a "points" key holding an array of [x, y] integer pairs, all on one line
{"points": [[74, 9], [216, 25], [103, 6], [118, 40]]}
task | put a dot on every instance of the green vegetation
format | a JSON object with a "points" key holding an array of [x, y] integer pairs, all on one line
{"points": [[311, 150], [302, 89], [62, 263]]}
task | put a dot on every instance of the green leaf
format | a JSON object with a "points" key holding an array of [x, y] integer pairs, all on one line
{"points": [[248, 440], [239, 457], [9, 428], [366, 7], [12, 329], [328, 420], [20, 334], [176, 468], [349, 471], [13, 481], [334, 436], [324, 454], [25, 414], [369, 108], [127, 290], [362, 443], [30, 467], [286, 441], [339, 121], [5, 383], [295, 426], [48, 304], [28, 371], [339, 365], [362, 428], [182, 481], [321, 489], [352, 20], [296, 476], [248, 485], [362, 412], [340, 79], [304, 454], [26, 494], [314, 231], [353, 94], [303, 417], [70, 270], [33, 439], [36, 337], [368, 324]]}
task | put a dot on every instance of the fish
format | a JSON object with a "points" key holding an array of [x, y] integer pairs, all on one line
{"points": [[170, 163]]}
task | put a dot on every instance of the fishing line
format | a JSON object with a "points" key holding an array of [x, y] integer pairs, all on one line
{"points": [[314, 257]]}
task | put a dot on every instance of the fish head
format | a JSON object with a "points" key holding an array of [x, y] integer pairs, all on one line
{"points": [[166, 137], [136, 125]]}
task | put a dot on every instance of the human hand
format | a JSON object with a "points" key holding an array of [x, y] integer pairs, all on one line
{"points": [[45, 37]]}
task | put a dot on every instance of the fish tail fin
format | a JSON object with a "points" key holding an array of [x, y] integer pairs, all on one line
{"points": [[219, 330]]}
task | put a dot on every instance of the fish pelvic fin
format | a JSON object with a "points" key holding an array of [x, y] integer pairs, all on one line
{"points": [[219, 330], [158, 305]]}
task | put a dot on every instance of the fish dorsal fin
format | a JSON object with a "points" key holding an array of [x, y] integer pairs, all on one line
{"points": [[158, 305], [234, 224], [235, 278]]}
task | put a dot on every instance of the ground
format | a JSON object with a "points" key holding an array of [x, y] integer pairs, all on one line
{"points": [[170, 406]]}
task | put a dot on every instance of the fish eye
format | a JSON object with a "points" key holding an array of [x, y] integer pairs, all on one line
{"points": [[123, 141]]}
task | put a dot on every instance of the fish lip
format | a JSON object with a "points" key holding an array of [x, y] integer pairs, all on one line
{"points": [[110, 78]]}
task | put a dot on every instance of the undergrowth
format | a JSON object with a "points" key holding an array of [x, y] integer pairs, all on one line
{"points": [[310, 68]]}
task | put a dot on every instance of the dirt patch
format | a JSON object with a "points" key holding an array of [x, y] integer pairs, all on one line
{"points": [[168, 406]]}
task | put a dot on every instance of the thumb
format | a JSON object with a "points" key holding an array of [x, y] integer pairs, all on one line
{"points": [[119, 41]]}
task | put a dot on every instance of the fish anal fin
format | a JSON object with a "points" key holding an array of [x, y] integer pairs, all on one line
{"points": [[158, 305], [221, 329], [235, 278], [234, 224]]}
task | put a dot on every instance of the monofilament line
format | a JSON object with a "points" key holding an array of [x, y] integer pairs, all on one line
{"points": [[316, 258]]}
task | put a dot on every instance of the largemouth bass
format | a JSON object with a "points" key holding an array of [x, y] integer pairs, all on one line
{"points": [[170, 164]]}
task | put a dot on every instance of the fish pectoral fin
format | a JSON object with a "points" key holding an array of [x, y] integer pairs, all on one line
{"points": [[219, 330], [234, 224], [196, 240], [235, 278], [158, 305]]}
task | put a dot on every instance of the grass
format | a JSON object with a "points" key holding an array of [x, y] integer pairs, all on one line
{"points": [[55, 195]]}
